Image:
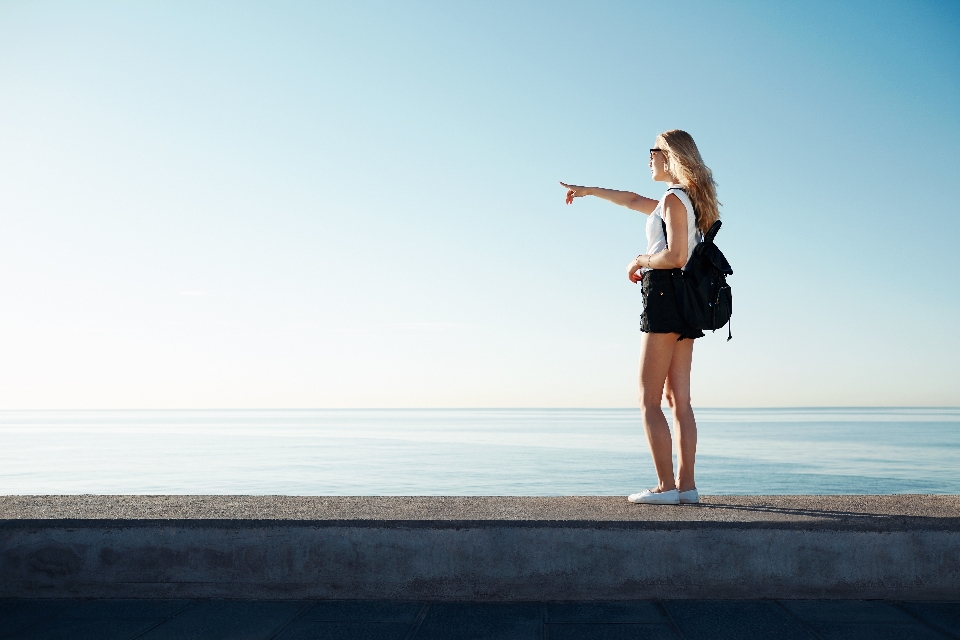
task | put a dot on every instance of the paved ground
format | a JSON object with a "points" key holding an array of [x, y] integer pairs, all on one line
{"points": [[353, 620], [876, 513]]}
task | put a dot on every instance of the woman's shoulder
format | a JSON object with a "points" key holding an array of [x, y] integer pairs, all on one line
{"points": [[676, 195]]}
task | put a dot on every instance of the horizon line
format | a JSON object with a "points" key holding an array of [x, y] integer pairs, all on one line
{"points": [[710, 408]]}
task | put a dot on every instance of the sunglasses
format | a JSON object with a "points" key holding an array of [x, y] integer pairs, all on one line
{"points": [[652, 151]]}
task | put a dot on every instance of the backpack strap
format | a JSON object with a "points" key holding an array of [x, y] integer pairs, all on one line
{"points": [[712, 233]]}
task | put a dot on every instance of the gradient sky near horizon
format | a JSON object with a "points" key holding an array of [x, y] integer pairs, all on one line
{"points": [[293, 204]]}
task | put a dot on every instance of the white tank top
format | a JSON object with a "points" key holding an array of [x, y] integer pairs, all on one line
{"points": [[656, 240]]}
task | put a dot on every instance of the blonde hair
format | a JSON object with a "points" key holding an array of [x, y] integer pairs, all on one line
{"points": [[687, 168]]}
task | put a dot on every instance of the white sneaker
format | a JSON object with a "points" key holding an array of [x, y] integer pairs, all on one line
{"points": [[689, 497], [649, 497]]}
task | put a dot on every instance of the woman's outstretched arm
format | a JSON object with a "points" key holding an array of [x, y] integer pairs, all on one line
{"points": [[627, 199]]}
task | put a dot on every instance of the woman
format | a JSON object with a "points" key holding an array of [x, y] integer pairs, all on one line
{"points": [[674, 227]]}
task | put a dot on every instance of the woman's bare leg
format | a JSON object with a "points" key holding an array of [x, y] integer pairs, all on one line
{"points": [[656, 353], [677, 390]]}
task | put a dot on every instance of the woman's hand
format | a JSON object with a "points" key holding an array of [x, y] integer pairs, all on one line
{"points": [[633, 270], [573, 191]]}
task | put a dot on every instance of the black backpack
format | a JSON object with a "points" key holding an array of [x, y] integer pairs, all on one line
{"points": [[703, 295]]}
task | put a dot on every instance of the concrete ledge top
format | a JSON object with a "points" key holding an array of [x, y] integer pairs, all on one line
{"points": [[846, 512]]}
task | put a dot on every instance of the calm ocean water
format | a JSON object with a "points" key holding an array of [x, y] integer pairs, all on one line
{"points": [[471, 452]]}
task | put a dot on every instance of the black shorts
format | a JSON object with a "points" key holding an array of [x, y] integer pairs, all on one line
{"points": [[661, 314]]}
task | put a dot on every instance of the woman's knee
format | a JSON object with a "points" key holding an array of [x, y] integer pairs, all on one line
{"points": [[677, 399], [671, 399], [650, 399]]}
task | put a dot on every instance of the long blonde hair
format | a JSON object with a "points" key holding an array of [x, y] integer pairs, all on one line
{"points": [[687, 168]]}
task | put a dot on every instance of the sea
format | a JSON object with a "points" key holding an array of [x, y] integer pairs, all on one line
{"points": [[535, 452]]}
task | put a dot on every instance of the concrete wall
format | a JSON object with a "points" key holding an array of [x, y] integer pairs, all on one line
{"points": [[472, 561]]}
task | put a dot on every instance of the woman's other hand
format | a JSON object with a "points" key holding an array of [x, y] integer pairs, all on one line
{"points": [[573, 191], [633, 271]]}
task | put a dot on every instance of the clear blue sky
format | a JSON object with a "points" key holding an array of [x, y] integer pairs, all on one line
{"points": [[356, 204]]}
